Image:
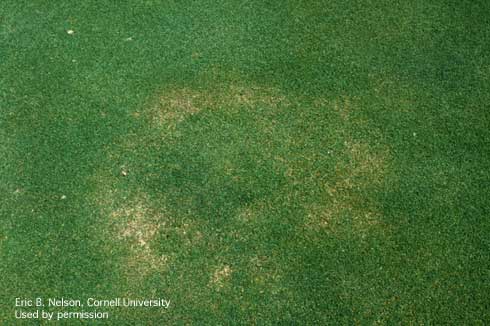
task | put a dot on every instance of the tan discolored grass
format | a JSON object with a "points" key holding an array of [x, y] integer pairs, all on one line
{"points": [[130, 224], [221, 276], [247, 214], [255, 95], [173, 105], [364, 163], [268, 278], [343, 105], [264, 273], [345, 199], [253, 212], [334, 212], [136, 225], [360, 168]]}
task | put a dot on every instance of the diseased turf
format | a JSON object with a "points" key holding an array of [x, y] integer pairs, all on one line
{"points": [[253, 162]]}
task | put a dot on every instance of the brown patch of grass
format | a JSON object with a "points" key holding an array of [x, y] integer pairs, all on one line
{"points": [[343, 105], [360, 168], [268, 279], [263, 272], [252, 212], [221, 275], [364, 163], [195, 55], [255, 95], [247, 214], [363, 169], [174, 105], [132, 225], [136, 225]]}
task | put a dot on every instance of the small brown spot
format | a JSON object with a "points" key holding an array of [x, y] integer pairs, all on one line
{"points": [[221, 275]]}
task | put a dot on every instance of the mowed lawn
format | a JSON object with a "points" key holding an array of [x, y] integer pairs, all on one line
{"points": [[256, 162]]}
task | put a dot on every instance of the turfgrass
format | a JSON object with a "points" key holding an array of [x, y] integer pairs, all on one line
{"points": [[256, 162]]}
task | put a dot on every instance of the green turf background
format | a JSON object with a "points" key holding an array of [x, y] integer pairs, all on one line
{"points": [[417, 74]]}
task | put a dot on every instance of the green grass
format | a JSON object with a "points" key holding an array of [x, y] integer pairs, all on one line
{"points": [[287, 162]]}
